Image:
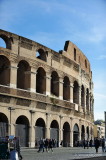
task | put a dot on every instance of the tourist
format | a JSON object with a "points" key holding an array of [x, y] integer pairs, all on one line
{"points": [[97, 144]]}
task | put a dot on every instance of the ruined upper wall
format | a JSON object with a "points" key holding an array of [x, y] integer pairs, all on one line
{"points": [[27, 48], [81, 59]]}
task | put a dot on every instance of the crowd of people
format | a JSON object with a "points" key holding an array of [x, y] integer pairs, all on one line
{"points": [[47, 144], [97, 142]]}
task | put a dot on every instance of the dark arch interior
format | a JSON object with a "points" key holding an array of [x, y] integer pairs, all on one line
{"points": [[40, 122], [7, 41], [66, 88], [76, 93], [4, 70], [23, 77], [55, 84], [41, 81], [41, 55], [22, 120], [54, 124]]}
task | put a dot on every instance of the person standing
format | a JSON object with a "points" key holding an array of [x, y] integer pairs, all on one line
{"points": [[84, 143], [103, 144], [97, 144], [90, 143]]}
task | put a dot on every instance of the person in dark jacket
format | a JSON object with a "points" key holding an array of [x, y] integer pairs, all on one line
{"points": [[97, 144]]}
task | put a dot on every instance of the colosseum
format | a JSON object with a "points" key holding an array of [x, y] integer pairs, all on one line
{"points": [[44, 93]]}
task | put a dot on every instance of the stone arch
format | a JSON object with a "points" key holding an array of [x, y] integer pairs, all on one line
{"points": [[23, 75], [6, 40], [39, 130], [41, 54], [75, 134], [82, 132], [4, 70], [66, 88], [87, 99], [66, 134], [54, 131], [76, 93], [82, 96], [41, 81], [3, 125], [55, 83], [22, 130]]}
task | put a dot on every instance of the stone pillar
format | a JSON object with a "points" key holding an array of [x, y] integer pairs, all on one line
{"points": [[85, 133], [60, 88], [60, 130], [80, 130], [32, 130], [48, 83], [33, 80], [11, 121], [71, 92], [71, 138], [71, 133], [13, 75], [47, 132]]}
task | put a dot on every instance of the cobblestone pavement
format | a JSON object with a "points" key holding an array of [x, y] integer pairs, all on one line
{"points": [[61, 154]]}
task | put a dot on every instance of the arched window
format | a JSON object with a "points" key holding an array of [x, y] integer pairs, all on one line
{"points": [[55, 84], [2, 43], [41, 81], [85, 63], [23, 75], [22, 130], [87, 99], [5, 42], [82, 96], [74, 54], [41, 55], [76, 93], [66, 88], [4, 70]]}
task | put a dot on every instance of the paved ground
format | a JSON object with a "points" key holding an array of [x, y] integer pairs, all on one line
{"points": [[62, 154]]}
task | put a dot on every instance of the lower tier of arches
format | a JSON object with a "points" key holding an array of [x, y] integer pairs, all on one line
{"points": [[30, 128]]}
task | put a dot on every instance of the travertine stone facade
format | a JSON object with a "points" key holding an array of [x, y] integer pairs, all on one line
{"points": [[44, 93]]}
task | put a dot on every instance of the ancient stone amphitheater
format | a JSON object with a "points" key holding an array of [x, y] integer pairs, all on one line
{"points": [[44, 93]]}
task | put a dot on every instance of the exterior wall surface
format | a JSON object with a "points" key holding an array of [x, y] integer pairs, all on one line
{"points": [[45, 93]]}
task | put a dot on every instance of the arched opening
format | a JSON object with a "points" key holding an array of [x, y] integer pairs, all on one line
{"points": [[4, 70], [75, 135], [87, 99], [55, 84], [41, 81], [66, 134], [3, 125], [5, 42], [2, 43], [22, 130], [39, 130], [66, 89], [85, 63], [76, 93], [54, 131], [87, 132], [41, 55], [82, 96], [82, 132], [23, 75]]}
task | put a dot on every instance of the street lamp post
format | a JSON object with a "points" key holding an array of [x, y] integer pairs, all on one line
{"points": [[10, 109]]}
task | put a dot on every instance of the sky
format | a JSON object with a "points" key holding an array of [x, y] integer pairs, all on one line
{"points": [[52, 22]]}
